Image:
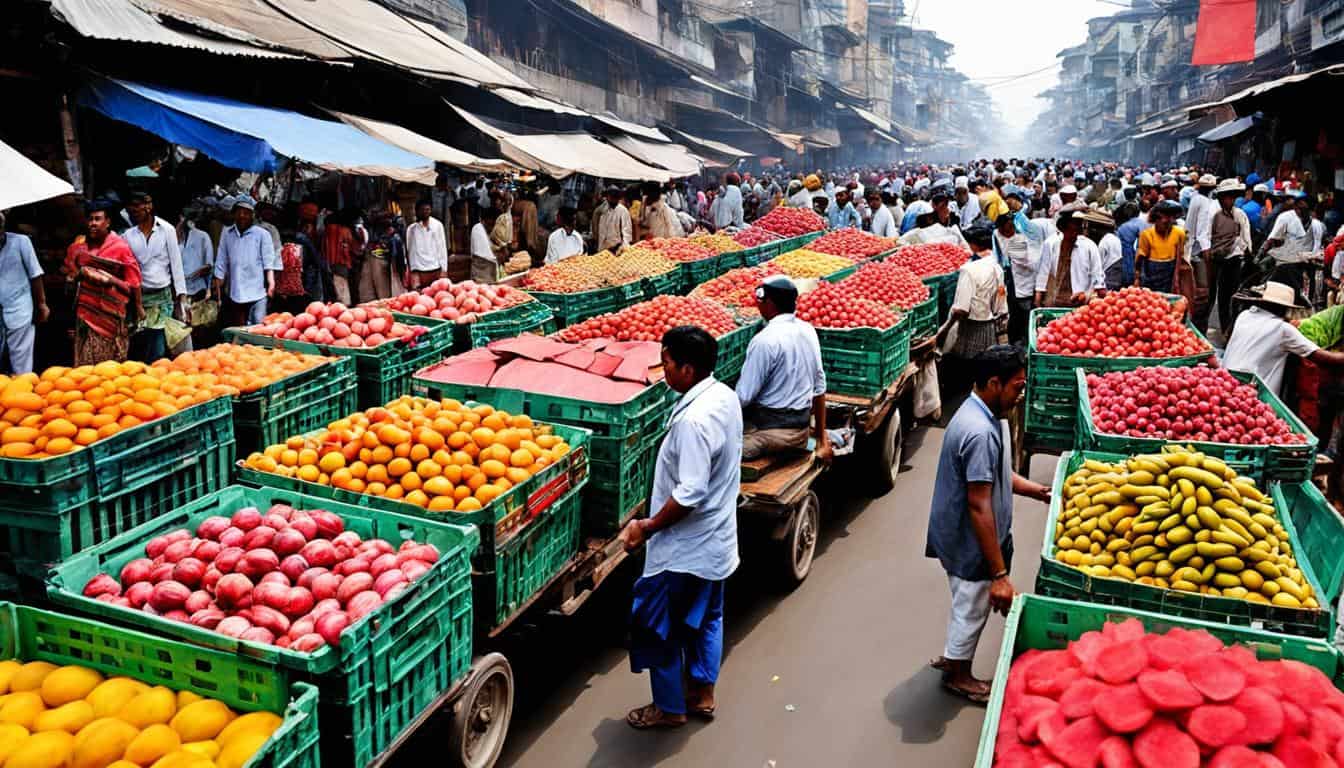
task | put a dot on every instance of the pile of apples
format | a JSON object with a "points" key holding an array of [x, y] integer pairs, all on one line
{"points": [[462, 302], [339, 326], [291, 578]]}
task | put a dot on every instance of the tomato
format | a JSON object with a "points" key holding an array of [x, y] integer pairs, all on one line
{"points": [[1133, 322], [791, 222]]}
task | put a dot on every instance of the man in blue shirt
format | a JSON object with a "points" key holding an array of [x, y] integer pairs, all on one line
{"points": [[971, 517], [677, 611], [246, 261], [1132, 223], [22, 298], [841, 213]]}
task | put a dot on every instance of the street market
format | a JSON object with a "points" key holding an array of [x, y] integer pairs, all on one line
{"points": [[386, 382]]}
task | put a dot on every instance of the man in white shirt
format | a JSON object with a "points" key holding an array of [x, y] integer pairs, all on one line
{"points": [[484, 264], [162, 283], [1016, 248], [1229, 243], [198, 254], [23, 300], [882, 224], [616, 229], [658, 220], [1263, 338], [782, 387], [426, 248], [729, 213], [981, 298], [1199, 217], [968, 205], [1290, 242], [1100, 227], [1070, 270], [677, 611], [564, 241]]}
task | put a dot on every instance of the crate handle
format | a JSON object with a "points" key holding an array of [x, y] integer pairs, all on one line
{"points": [[397, 666]]}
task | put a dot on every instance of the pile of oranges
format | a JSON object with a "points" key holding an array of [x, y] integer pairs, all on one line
{"points": [[65, 409], [240, 367], [437, 454]]}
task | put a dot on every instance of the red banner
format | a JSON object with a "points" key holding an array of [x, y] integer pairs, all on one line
{"points": [[1225, 33]]}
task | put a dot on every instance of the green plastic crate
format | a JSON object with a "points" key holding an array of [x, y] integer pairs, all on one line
{"points": [[384, 371], [794, 243], [694, 273], [750, 257], [670, 283], [733, 350], [299, 403], [1059, 580], [1048, 624], [616, 492], [1263, 463], [946, 286], [30, 634], [537, 318], [528, 561], [571, 308], [924, 316], [1320, 530], [841, 274], [864, 361], [107, 488], [433, 613]]}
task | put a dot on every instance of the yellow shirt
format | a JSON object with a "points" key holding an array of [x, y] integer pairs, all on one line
{"points": [[992, 205], [1154, 247]]}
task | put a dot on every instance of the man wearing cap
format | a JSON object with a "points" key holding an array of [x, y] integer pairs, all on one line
{"points": [[1263, 338], [22, 297], [1170, 190], [1229, 243], [246, 264], [1070, 270], [1100, 229], [968, 205], [616, 229], [782, 388], [935, 226], [1292, 242]]}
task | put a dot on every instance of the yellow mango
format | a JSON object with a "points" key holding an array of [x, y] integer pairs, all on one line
{"points": [[68, 684], [153, 743], [12, 735], [70, 718], [157, 705], [240, 748], [30, 676], [113, 694], [101, 742], [21, 708], [262, 722], [182, 759], [187, 697], [123, 764], [8, 669], [43, 750], [208, 748], [201, 720]]}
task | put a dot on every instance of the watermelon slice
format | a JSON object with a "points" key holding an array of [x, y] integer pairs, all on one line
{"points": [[1327, 728], [1124, 660], [1078, 745], [1297, 752], [1050, 727], [1167, 651], [1049, 673], [1115, 753], [1215, 676], [1241, 656], [1124, 631], [1017, 757], [1161, 744], [1123, 709], [1303, 684], [1086, 649], [1264, 716], [1216, 725], [1030, 712], [1076, 702], [1169, 690], [1201, 642]]}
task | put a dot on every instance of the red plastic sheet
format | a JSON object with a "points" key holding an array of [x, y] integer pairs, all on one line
{"points": [[1225, 32]]}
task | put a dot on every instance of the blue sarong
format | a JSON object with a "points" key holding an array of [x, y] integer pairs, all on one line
{"points": [[676, 632]]}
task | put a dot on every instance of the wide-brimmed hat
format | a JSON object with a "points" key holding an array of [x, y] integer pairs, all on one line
{"points": [[1278, 294], [1207, 180], [1229, 185], [1101, 218]]}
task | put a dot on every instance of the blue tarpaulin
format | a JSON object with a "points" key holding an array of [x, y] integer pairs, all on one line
{"points": [[248, 137]]}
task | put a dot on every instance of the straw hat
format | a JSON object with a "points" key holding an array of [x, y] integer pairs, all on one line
{"points": [[1278, 294], [1229, 185]]}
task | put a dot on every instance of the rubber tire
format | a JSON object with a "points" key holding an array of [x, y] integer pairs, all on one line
{"points": [[879, 456], [799, 546], [487, 673]]}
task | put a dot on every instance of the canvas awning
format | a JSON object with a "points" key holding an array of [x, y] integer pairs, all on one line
{"points": [[562, 154], [514, 96], [1265, 87], [634, 129], [673, 157], [873, 119], [124, 21], [1231, 129], [22, 181], [725, 151], [247, 136], [886, 136], [421, 145]]}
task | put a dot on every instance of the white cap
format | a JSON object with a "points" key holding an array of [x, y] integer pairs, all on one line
{"points": [[1068, 189], [963, 183]]}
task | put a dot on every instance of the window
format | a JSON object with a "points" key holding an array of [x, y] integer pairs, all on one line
{"points": [[1266, 15]]}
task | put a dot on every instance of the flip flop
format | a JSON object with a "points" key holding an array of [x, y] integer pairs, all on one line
{"points": [[704, 713], [942, 664], [644, 718], [973, 697]]}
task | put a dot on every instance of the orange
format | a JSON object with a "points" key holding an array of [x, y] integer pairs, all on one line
{"points": [[441, 504], [517, 475], [442, 457], [402, 450], [483, 436], [60, 428], [461, 492], [398, 467], [108, 430], [377, 474], [546, 441], [487, 493], [469, 504], [308, 457], [492, 468], [462, 458], [390, 434], [369, 439], [494, 421], [418, 498], [429, 438], [294, 442], [86, 436], [521, 458], [341, 477], [377, 489], [438, 486], [444, 426], [510, 438], [453, 473], [428, 468], [382, 454], [358, 469], [476, 481], [419, 452], [82, 419], [331, 462], [309, 473], [410, 481], [17, 450], [128, 421], [458, 439], [289, 457]]}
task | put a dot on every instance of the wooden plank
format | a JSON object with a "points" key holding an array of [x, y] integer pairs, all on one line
{"points": [[784, 483]]}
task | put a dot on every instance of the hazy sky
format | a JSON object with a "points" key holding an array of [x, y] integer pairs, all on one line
{"points": [[998, 40]]}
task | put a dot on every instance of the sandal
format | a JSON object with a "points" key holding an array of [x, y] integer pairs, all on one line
{"points": [[649, 717], [975, 697], [942, 663], [705, 713]]}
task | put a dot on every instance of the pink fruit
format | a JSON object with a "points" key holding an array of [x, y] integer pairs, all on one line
{"points": [[330, 625], [259, 537], [379, 545], [198, 601], [270, 618], [168, 595], [232, 537], [315, 309], [427, 553], [329, 524], [102, 584], [258, 562], [161, 572], [208, 618], [211, 578], [309, 643], [207, 550], [353, 585], [275, 520], [319, 553], [189, 571], [178, 550], [388, 580], [304, 524], [283, 510], [270, 594], [288, 541], [353, 565], [156, 546], [232, 590], [362, 605], [293, 566], [301, 626], [212, 526], [325, 606], [382, 564], [228, 558], [246, 518], [258, 635], [414, 569], [233, 626], [348, 538], [135, 571], [326, 586], [177, 614], [275, 577], [306, 579], [299, 602], [138, 593]]}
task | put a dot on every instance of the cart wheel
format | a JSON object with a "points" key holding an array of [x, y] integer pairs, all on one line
{"points": [[880, 455], [481, 716], [800, 544]]}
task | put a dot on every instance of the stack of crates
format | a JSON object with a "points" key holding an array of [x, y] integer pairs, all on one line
{"points": [[733, 351], [750, 257], [54, 507], [389, 667], [528, 317], [296, 404], [571, 308], [862, 362]]}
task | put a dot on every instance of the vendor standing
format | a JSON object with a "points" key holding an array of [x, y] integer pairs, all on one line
{"points": [[1159, 247], [1070, 271], [783, 386], [677, 611], [426, 248], [616, 229], [1262, 337], [23, 300], [841, 213], [484, 259], [245, 263], [981, 298], [106, 276], [971, 516], [883, 223], [163, 286], [564, 241]]}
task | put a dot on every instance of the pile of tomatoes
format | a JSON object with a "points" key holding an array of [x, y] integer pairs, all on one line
{"points": [[851, 243], [888, 284], [753, 236], [1197, 403], [1132, 322], [736, 288], [791, 222], [678, 249], [831, 306], [649, 320], [931, 259]]}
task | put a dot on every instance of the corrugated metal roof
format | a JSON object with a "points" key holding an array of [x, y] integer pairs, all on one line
{"points": [[634, 129], [125, 21]]}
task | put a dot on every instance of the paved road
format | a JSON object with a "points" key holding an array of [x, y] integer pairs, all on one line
{"points": [[832, 674]]}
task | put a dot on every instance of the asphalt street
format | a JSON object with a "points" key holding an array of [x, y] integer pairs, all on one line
{"points": [[833, 673]]}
